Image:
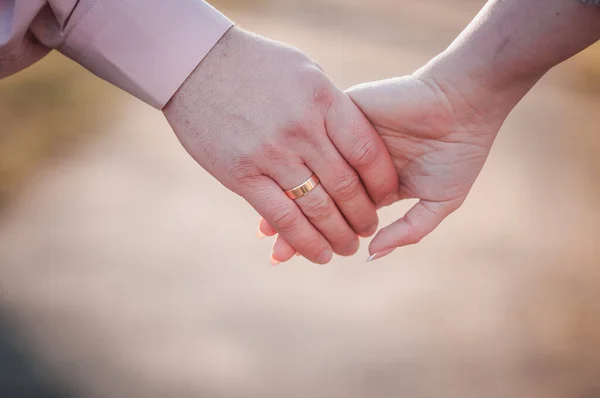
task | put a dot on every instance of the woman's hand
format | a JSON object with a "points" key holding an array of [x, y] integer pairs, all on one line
{"points": [[438, 140], [440, 123], [262, 118]]}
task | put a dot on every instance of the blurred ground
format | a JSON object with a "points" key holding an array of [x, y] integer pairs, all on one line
{"points": [[45, 111], [126, 271]]}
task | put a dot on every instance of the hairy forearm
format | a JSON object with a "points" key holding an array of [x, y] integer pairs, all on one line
{"points": [[510, 44]]}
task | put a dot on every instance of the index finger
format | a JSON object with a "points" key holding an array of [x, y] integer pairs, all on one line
{"points": [[362, 147]]}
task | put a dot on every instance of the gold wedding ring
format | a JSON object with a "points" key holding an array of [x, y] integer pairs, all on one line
{"points": [[304, 188]]}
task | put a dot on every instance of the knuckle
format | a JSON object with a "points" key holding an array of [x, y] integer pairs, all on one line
{"points": [[284, 219], [363, 153], [269, 150], [322, 96], [347, 187], [408, 220], [296, 131], [272, 154], [414, 235], [318, 209], [241, 168], [247, 164]]}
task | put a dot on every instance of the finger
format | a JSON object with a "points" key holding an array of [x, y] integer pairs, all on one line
{"points": [[344, 186], [269, 200], [390, 200], [281, 248], [320, 209], [361, 146], [282, 251], [322, 212], [264, 229], [417, 223]]}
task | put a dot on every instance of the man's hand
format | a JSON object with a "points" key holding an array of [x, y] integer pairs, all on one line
{"points": [[262, 117]]}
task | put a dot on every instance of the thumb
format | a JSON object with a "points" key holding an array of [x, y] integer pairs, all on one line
{"points": [[416, 224]]}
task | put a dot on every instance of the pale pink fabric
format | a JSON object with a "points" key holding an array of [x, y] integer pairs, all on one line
{"points": [[146, 47]]}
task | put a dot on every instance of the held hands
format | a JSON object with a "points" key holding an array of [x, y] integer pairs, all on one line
{"points": [[262, 117], [438, 139]]}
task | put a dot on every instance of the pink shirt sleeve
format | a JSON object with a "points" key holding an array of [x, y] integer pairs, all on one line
{"points": [[145, 47]]}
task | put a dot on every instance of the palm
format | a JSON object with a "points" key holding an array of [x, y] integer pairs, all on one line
{"points": [[438, 145]]}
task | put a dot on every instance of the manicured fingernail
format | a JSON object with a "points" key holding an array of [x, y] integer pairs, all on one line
{"points": [[377, 256], [325, 257], [259, 234]]}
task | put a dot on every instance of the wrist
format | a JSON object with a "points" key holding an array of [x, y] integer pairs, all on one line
{"points": [[508, 47], [215, 66], [147, 48], [489, 90]]}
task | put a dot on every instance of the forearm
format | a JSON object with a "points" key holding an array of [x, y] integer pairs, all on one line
{"points": [[510, 44]]}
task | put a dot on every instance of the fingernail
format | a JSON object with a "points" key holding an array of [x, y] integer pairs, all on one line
{"points": [[260, 235], [297, 254], [325, 257], [377, 256], [274, 262]]}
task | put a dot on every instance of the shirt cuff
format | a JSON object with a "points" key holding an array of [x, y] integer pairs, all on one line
{"points": [[146, 47]]}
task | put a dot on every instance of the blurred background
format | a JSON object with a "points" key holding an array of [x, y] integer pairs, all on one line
{"points": [[126, 271]]}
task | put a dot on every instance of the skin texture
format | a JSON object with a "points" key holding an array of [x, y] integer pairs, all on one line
{"points": [[261, 117], [440, 122], [438, 149]]}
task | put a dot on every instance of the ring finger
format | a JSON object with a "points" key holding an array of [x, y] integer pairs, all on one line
{"points": [[321, 211]]}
